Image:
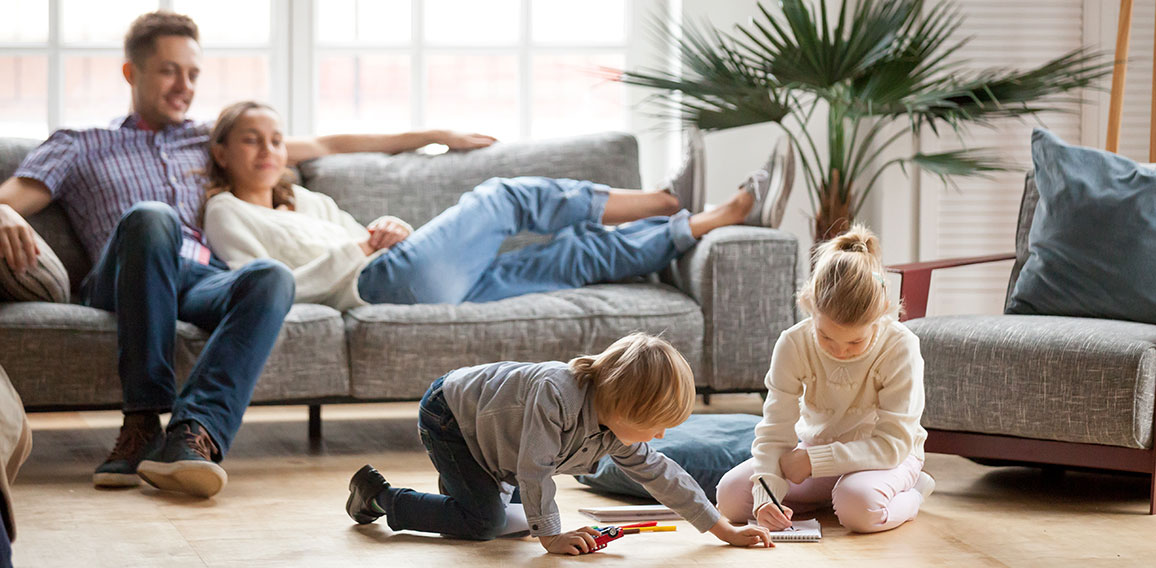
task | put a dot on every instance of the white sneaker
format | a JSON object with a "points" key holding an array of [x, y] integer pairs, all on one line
{"points": [[781, 167], [758, 183], [688, 183], [925, 485]]}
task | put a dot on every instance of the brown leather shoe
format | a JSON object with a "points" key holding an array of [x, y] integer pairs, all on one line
{"points": [[140, 434], [187, 463]]}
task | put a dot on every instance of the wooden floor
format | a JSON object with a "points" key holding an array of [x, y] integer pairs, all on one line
{"points": [[284, 507]]}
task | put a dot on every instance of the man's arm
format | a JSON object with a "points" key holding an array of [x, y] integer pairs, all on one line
{"points": [[19, 198], [301, 149]]}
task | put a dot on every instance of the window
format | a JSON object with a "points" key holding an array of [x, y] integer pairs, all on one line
{"points": [[512, 68]]}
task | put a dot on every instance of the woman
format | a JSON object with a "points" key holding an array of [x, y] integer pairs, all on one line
{"points": [[253, 211]]}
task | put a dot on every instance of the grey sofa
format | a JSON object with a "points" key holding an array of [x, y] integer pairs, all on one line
{"points": [[722, 304], [1040, 389]]}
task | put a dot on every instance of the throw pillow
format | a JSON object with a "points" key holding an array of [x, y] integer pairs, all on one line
{"points": [[45, 281], [706, 446], [1092, 245]]}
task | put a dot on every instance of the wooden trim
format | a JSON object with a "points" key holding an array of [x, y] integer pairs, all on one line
{"points": [[915, 280], [991, 446], [1119, 70]]}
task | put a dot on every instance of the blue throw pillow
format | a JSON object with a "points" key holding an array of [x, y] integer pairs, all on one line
{"points": [[1092, 245], [706, 446]]}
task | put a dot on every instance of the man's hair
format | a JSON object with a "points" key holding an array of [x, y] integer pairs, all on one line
{"points": [[640, 379], [141, 40]]}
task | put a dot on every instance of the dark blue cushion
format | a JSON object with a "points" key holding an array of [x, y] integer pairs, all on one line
{"points": [[1092, 245], [706, 446]]}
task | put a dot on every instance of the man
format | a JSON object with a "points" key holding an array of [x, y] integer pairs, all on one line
{"points": [[132, 192]]}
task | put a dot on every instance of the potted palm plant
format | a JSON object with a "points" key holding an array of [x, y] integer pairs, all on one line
{"points": [[883, 61]]}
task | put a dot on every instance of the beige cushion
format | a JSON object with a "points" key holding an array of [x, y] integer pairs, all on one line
{"points": [[47, 281]]}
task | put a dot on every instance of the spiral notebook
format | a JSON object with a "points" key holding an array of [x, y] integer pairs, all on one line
{"points": [[805, 531]]}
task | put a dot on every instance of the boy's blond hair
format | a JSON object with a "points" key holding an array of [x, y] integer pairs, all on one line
{"points": [[847, 284], [640, 379]]}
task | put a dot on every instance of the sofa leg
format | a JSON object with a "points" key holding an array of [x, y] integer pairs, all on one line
{"points": [[314, 423], [706, 398], [1152, 496]]}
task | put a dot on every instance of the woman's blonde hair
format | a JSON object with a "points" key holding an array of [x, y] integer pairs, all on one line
{"points": [[640, 379], [219, 179], [847, 283]]}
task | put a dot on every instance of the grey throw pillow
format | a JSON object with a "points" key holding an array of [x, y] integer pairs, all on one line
{"points": [[1092, 245], [46, 281]]}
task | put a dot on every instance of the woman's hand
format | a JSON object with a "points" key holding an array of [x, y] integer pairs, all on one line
{"points": [[576, 542], [464, 141], [769, 516], [796, 465], [384, 233], [748, 535]]}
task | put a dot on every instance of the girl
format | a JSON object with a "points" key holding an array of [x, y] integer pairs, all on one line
{"points": [[493, 427], [858, 443], [253, 212]]}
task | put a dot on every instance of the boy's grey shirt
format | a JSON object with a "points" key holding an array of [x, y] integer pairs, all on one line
{"points": [[526, 422]]}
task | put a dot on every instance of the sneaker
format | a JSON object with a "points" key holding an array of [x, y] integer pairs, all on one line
{"points": [[758, 184], [187, 463], [925, 485], [364, 488], [140, 434], [781, 166], [688, 184]]}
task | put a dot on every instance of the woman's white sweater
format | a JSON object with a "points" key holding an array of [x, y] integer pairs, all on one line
{"points": [[318, 241]]}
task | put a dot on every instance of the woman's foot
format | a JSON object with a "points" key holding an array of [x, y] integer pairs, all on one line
{"points": [[732, 212]]}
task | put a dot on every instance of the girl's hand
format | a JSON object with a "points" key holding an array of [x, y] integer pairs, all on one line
{"points": [[769, 516], [747, 535], [576, 542], [796, 465], [385, 233]]}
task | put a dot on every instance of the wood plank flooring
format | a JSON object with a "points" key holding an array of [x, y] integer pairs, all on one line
{"points": [[284, 507]]}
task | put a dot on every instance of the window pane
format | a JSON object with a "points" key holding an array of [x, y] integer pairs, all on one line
{"points": [[364, 93], [226, 80], [470, 22], [85, 21], [473, 92], [24, 21], [228, 21], [586, 22], [364, 22], [569, 99], [24, 96], [95, 91]]}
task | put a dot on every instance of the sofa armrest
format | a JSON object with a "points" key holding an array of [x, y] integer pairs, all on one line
{"points": [[915, 280], [744, 278]]}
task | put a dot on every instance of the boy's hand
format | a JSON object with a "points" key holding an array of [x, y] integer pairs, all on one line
{"points": [[747, 535], [576, 542], [769, 516], [796, 465]]}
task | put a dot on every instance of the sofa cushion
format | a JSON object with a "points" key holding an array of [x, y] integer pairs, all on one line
{"points": [[1046, 377], [308, 361], [44, 281], [1092, 244], [396, 351], [60, 354], [707, 446]]}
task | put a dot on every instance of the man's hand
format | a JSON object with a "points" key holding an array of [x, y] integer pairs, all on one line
{"points": [[769, 516], [384, 233], [796, 465], [747, 535], [465, 141], [17, 240], [576, 542]]}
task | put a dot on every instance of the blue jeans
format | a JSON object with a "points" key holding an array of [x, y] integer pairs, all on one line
{"points": [[454, 258], [471, 504], [142, 277]]}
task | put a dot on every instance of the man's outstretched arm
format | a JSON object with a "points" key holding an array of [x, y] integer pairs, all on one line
{"points": [[301, 149], [19, 198]]}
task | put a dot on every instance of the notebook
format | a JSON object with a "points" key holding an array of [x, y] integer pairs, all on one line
{"points": [[630, 513], [805, 531]]}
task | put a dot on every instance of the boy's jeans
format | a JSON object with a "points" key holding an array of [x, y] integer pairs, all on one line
{"points": [[471, 505]]}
